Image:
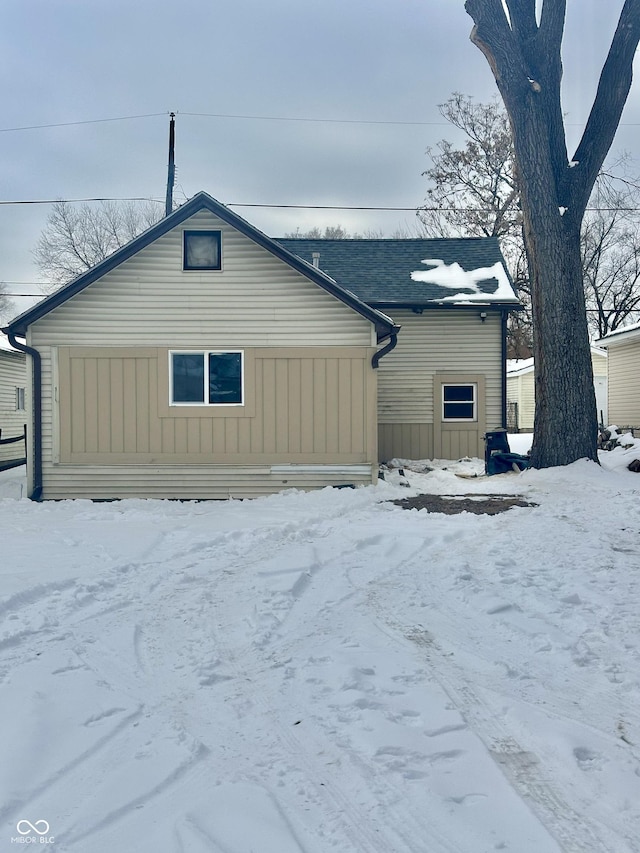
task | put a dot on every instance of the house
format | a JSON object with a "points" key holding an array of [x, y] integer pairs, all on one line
{"points": [[207, 360], [521, 390], [444, 384], [202, 360], [13, 415], [623, 376]]}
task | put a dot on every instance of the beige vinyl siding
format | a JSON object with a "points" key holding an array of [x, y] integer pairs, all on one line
{"points": [[434, 346], [521, 390], [196, 482], [255, 300], [312, 419], [116, 436], [624, 384], [599, 363], [13, 374]]}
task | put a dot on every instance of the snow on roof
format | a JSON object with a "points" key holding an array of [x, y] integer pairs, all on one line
{"points": [[630, 331], [518, 366], [466, 283]]}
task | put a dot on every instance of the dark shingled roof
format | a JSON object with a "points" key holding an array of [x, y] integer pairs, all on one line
{"points": [[379, 271]]}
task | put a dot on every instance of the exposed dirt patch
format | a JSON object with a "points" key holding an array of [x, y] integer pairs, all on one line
{"points": [[478, 504]]}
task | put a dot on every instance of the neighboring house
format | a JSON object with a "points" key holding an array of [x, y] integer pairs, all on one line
{"points": [[444, 385], [623, 371], [13, 414], [202, 360], [521, 401]]}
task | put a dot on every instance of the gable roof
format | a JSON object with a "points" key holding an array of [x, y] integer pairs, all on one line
{"points": [[424, 273], [384, 326]]}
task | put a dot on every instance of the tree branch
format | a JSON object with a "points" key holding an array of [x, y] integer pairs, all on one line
{"points": [[611, 96], [492, 35], [523, 18]]}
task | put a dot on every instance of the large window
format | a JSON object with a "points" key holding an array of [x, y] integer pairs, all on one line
{"points": [[206, 378], [202, 250], [460, 402]]}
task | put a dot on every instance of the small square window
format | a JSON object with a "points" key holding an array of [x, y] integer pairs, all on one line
{"points": [[459, 402], [202, 250]]}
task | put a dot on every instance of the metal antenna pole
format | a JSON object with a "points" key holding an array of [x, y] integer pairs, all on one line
{"points": [[172, 167]]}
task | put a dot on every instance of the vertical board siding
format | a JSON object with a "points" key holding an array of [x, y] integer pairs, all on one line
{"points": [[304, 407]]}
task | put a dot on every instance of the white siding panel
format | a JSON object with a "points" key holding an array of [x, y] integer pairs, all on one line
{"points": [[624, 384], [255, 300], [13, 374]]}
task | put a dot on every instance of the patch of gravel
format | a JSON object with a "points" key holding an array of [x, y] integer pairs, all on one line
{"points": [[478, 504]]}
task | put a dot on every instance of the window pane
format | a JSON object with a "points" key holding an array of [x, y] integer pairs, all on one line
{"points": [[188, 377], [455, 393], [225, 377], [458, 411], [202, 250]]}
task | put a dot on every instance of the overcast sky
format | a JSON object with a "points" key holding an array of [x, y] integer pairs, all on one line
{"points": [[356, 62]]}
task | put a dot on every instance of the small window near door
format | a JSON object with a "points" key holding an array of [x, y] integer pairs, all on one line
{"points": [[20, 405], [460, 402]]}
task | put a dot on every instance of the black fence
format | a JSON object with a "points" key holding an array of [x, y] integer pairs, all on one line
{"points": [[13, 451]]}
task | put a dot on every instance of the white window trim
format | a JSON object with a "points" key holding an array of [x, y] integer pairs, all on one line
{"points": [[21, 404], [472, 420], [205, 354]]}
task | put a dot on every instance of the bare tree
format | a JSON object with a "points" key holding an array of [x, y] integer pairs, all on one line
{"points": [[611, 254], [474, 192], [523, 50], [6, 303], [331, 232], [76, 238]]}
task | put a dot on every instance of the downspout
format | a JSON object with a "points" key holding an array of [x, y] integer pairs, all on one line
{"points": [[504, 316], [393, 340], [36, 494]]}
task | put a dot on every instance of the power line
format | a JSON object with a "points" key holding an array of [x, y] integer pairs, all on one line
{"points": [[374, 208], [248, 117], [77, 200], [73, 123]]}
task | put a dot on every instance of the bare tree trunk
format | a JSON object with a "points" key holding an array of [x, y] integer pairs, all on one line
{"points": [[522, 45]]}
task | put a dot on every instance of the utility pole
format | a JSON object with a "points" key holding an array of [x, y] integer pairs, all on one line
{"points": [[172, 167]]}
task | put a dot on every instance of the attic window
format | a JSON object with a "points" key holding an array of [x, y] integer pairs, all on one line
{"points": [[202, 250]]}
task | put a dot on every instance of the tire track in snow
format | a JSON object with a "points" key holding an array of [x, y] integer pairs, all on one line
{"points": [[521, 767], [349, 818]]}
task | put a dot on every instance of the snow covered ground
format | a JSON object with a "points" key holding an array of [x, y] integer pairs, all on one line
{"points": [[321, 672]]}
